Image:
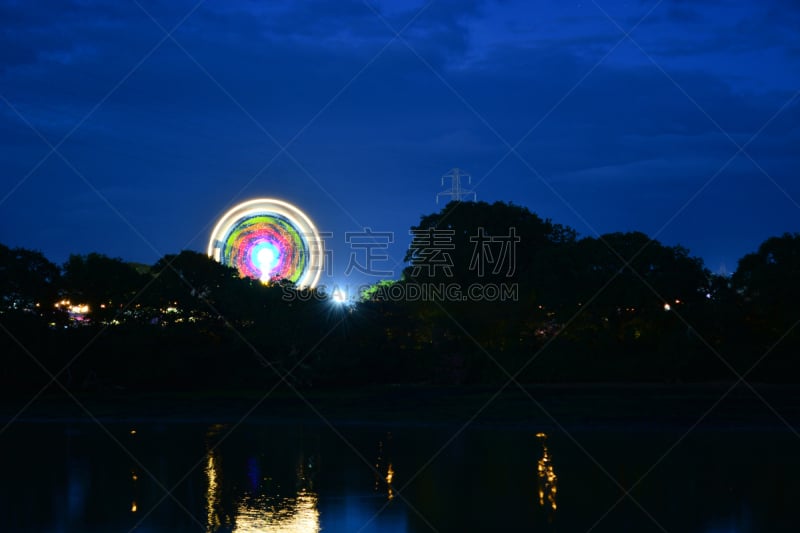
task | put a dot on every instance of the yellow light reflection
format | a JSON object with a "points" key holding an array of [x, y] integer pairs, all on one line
{"points": [[546, 476], [384, 470], [262, 513], [389, 476], [135, 495], [213, 493], [298, 514]]}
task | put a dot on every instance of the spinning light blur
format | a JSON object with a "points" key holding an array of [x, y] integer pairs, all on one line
{"points": [[269, 239]]}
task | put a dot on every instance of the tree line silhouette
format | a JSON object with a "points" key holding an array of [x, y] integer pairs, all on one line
{"points": [[617, 307]]}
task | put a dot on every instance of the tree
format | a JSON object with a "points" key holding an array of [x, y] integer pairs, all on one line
{"points": [[28, 283], [618, 300], [470, 242], [630, 270], [28, 293], [107, 285], [483, 260], [191, 284], [769, 283]]}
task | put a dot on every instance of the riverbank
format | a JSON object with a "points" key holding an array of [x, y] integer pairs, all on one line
{"points": [[623, 406]]}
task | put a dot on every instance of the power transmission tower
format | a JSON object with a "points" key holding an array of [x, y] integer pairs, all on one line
{"points": [[456, 193]]}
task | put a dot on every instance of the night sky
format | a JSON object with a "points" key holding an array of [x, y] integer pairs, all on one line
{"points": [[605, 116]]}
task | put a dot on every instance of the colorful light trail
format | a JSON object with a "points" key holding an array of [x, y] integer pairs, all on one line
{"points": [[269, 239]]}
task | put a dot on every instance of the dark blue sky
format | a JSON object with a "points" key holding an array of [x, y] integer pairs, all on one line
{"points": [[611, 133]]}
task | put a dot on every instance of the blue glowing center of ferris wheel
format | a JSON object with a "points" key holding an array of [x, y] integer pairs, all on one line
{"points": [[266, 256], [269, 239]]}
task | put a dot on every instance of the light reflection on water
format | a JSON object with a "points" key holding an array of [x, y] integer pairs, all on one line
{"points": [[384, 469], [256, 510], [298, 514], [282, 478], [212, 496], [547, 479]]}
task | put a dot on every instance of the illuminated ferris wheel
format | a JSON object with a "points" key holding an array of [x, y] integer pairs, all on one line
{"points": [[269, 239]]}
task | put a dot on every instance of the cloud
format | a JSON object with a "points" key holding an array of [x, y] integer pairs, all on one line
{"points": [[391, 132]]}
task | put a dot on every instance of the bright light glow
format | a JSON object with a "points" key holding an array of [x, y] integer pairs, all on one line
{"points": [[266, 259], [667, 307], [77, 309], [339, 296], [294, 513], [269, 239]]}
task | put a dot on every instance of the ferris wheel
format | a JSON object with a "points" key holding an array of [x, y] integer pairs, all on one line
{"points": [[269, 239]]}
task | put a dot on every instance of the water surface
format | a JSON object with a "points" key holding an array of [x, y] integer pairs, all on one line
{"points": [[276, 477]]}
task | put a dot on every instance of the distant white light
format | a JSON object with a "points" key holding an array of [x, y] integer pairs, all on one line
{"points": [[339, 296], [667, 307]]}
